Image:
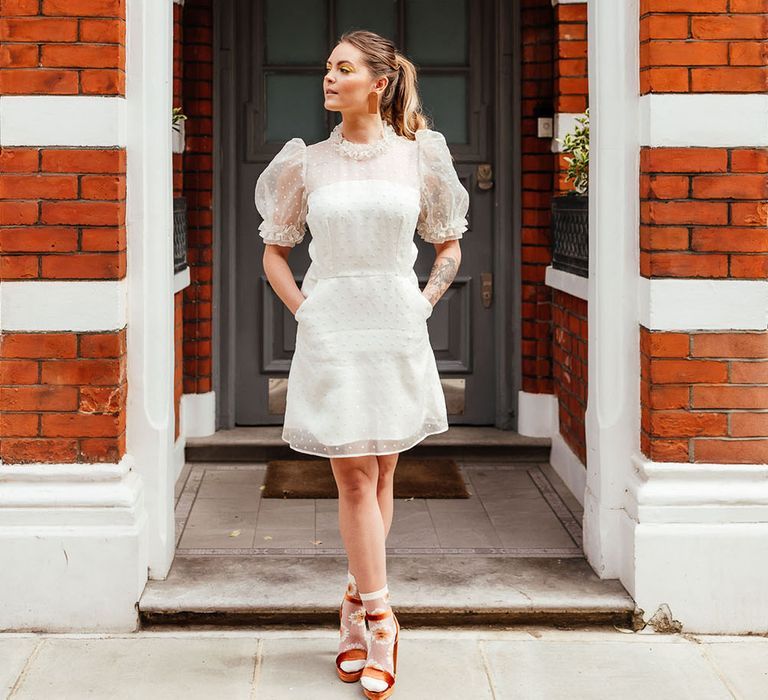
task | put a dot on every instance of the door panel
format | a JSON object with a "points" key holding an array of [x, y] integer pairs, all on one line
{"points": [[279, 59]]}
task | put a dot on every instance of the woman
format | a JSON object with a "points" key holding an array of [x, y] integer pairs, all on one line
{"points": [[363, 384]]}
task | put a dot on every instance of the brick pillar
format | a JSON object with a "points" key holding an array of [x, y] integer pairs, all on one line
{"points": [[86, 475], [692, 513], [62, 226], [703, 216]]}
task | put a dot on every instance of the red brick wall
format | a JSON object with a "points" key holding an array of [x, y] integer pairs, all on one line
{"points": [[569, 316], [62, 47], [62, 396], [571, 72], [62, 217], [178, 366], [569, 319], [704, 213], [538, 168], [63, 213], [697, 46], [704, 396], [178, 185], [197, 188], [571, 69]]}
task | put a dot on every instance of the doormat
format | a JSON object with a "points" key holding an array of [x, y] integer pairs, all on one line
{"points": [[313, 478]]}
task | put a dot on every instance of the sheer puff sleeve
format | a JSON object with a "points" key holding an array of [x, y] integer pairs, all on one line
{"points": [[444, 200], [281, 197]]}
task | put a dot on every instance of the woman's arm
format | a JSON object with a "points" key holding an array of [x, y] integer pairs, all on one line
{"points": [[280, 276], [443, 271]]}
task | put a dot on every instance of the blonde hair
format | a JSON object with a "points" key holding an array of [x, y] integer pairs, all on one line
{"points": [[400, 104]]}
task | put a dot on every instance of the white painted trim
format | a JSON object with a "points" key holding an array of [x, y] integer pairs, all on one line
{"points": [[179, 455], [698, 533], [75, 536], [565, 123], [181, 280], [710, 576], [681, 492], [51, 305], [569, 2], [568, 466], [613, 405], [687, 305], [709, 120], [149, 230], [62, 120], [198, 414], [567, 282], [538, 417], [536, 414]]}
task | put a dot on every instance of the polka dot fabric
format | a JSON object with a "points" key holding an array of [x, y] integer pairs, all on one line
{"points": [[363, 379]]}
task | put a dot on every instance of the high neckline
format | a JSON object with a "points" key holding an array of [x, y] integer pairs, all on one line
{"points": [[359, 151]]}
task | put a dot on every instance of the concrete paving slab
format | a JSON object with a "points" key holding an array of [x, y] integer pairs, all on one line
{"points": [[448, 663], [140, 667], [427, 668], [14, 653], [513, 509], [741, 663], [636, 669]]}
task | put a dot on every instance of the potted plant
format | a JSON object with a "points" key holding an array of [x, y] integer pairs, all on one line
{"points": [[570, 211], [177, 125]]}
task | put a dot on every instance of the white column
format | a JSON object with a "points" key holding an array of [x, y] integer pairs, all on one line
{"points": [[613, 405], [150, 419]]}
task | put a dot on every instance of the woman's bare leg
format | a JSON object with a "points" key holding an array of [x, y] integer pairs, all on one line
{"points": [[387, 464], [360, 520], [365, 516]]}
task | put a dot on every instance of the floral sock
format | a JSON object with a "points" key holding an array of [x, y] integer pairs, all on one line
{"points": [[382, 638], [352, 632]]}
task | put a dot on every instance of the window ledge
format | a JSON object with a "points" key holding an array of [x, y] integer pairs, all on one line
{"points": [[575, 285], [181, 280]]}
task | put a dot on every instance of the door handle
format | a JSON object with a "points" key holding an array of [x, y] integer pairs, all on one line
{"points": [[484, 176], [486, 289]]}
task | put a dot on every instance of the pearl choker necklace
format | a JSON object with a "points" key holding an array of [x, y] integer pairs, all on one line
{"points": [[358, 151]]}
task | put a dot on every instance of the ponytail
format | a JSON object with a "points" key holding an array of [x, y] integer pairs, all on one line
{"points": [[400, 104]]}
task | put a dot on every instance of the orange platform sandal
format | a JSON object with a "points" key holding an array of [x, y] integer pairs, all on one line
{"points": [[379, 673], [354, 654]]}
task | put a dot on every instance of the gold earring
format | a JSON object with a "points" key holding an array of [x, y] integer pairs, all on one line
{"points": [[373, 103]]}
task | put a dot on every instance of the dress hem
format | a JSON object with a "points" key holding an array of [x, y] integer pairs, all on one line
{"points": [[366, 454]]}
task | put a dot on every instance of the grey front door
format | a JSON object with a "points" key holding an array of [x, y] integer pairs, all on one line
{"points": [[278, 62]]}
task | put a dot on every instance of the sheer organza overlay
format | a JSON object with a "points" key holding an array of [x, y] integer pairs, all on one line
{"points": [[363, 378]]}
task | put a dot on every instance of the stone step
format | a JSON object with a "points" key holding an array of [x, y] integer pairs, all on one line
{"points": [[256, 444], [426, 590]]}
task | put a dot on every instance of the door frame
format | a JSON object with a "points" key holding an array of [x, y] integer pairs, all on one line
{"points": [[506, 220]]}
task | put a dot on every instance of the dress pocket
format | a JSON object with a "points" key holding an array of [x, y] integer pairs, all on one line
{"points": [[428, 305], [424, 303], [300, 310], [309, 299]]}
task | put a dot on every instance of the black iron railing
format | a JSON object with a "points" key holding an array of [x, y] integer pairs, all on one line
{"points": [[179, 233], [570, 234]]}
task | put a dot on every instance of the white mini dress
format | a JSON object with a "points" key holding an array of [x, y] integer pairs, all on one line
{"points": [[363, 378]]}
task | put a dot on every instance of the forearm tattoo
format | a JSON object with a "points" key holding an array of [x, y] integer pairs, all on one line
{"points": [[440, 277]]}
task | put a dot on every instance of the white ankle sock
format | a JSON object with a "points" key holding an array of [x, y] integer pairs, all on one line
{"points": [[352, 632], [382, 638]]}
